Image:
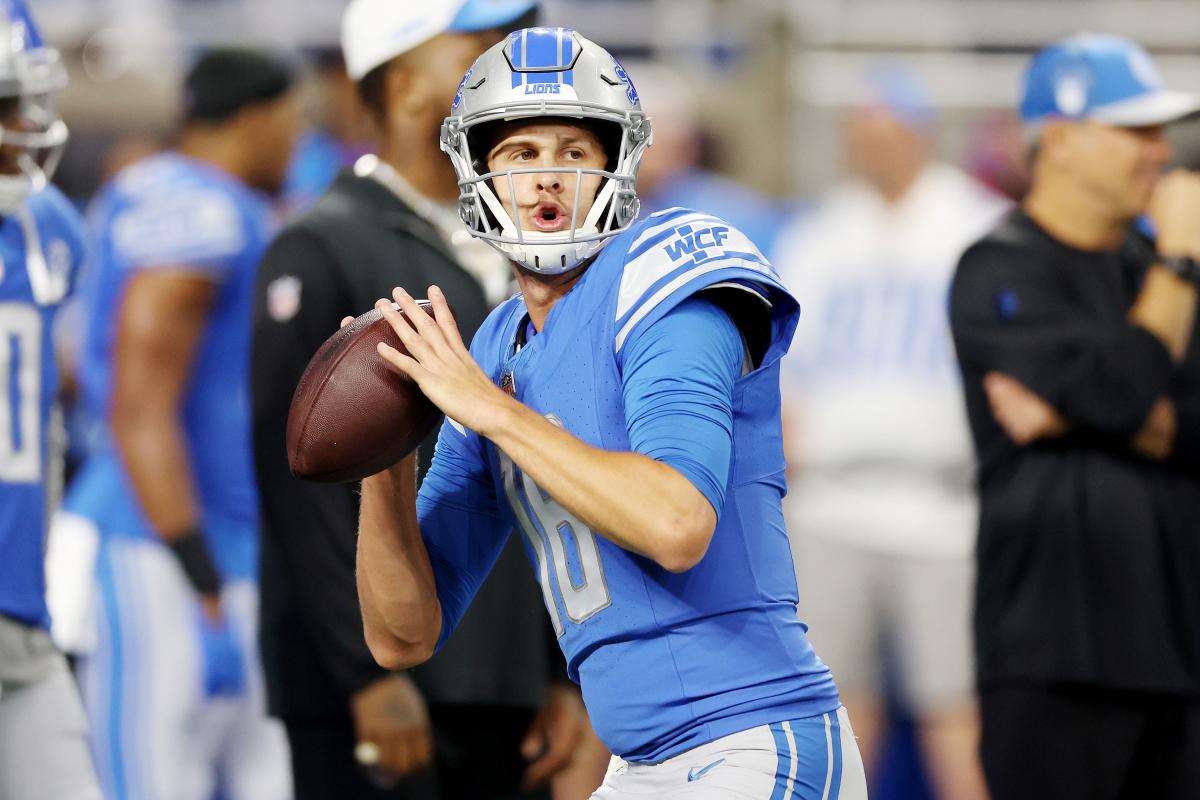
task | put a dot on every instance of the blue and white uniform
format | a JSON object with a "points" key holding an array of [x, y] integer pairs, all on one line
{"points": [[668, 662], [158, 733], [43, 731], [41, 247]]}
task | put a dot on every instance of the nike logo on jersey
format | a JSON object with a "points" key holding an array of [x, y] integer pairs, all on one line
{"points": [[696, 774]]}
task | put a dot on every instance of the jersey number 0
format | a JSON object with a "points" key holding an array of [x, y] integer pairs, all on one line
{"points": [[20, 393]]}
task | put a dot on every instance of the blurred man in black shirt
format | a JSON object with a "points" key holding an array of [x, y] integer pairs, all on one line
{"points": [[1080, 355]]}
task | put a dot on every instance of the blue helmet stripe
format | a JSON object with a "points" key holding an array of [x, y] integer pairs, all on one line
{"points": [[18, 12], [542, 55], [542, 48]]}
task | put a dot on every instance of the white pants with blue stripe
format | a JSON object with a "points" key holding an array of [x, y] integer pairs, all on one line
{"points": [[815, 758], [155, 735]]}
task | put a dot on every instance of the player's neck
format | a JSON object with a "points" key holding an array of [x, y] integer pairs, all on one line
{"points": [[1078, 219], [541, 292], [429, 173], [215, 149], [895, 186]]}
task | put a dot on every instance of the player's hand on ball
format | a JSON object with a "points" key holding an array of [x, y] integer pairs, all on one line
{"points": [[440, 362], [391, 724]]}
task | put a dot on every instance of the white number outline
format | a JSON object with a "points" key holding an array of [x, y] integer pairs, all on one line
{"points": [[579, 602], [20, 328]]}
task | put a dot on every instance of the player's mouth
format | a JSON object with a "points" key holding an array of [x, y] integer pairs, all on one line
{"points": [[551, 217]]}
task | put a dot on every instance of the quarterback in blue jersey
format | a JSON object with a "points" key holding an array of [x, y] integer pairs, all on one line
{"points": [[622, 412], [173, 685], [43, 732]]}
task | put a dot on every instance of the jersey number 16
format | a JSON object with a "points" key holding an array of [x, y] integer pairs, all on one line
{"points": [[551, 529]]}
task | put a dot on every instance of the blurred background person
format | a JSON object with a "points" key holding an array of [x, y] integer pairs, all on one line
{"points": [[997, 154], [881, 510], [338, 133], [172, 683], [679, 169], [1080, 355], [492, 715], [43, 731]]}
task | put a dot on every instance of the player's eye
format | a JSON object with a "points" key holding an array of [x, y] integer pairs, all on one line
{"points": [[574, 154], [526, 155]]}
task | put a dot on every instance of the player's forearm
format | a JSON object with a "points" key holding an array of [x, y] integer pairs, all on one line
{"points": [[1166, 307], [402, 618], [154, 452], [630, 499]]}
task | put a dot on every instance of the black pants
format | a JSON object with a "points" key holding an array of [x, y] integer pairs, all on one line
{"points": [[1080, 743], [476, 757]]}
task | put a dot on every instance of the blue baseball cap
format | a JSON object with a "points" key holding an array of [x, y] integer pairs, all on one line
{"points": [[376, 31], [1100, 77], [899, 91]]}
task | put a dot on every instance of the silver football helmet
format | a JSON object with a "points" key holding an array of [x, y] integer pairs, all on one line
{"points": [[547, 72], [32, 135]]}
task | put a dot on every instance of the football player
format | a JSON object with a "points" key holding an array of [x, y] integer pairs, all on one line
{"points": [[173, 686], [622, 412], [43, 734]]}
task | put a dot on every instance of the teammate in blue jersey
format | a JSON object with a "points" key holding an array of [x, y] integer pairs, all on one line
{"points": [[173, 686], [622, 413], [43, 732]]}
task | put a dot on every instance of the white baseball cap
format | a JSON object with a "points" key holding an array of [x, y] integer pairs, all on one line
{"points": [[376, 31]]}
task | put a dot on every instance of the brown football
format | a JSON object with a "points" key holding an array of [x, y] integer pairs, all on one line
{"points": [[352, 415]]}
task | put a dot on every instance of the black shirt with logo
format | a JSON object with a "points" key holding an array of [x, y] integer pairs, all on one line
{"points": [[1088, 553]]}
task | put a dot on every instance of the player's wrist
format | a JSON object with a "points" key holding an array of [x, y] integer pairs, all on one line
{"points": [[1184, 267], [194, 558], [396, 477], [500, 418]]}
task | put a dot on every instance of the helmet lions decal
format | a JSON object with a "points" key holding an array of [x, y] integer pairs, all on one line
{"points": [[547, 72]]}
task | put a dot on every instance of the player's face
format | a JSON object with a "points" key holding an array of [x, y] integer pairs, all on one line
{"points": [[880, 148], [544, 200], [1121, 165], [10, 119], [275, 130], [439, 66]]}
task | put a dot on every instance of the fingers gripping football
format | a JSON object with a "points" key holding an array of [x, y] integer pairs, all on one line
{"points": [[438, 360]]}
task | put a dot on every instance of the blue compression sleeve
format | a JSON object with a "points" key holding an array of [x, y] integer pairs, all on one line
{"points": [[678, 377]]}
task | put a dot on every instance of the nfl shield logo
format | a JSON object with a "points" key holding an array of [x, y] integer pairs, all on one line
{"points": [[507, 385], [283, 298]]}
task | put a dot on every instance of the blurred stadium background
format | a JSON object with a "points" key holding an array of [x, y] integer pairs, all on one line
{"points": [[771, 79], [772, 74]]}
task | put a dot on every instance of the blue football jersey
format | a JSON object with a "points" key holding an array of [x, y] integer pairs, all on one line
{"points": [[666, 661], [41, 246], [172, 212]]}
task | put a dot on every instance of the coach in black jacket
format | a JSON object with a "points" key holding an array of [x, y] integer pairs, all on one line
{"points": [[1081, 362], [371, 231]]}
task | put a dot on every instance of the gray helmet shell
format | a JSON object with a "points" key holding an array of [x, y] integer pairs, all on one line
{"points": [[547, 72]]}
